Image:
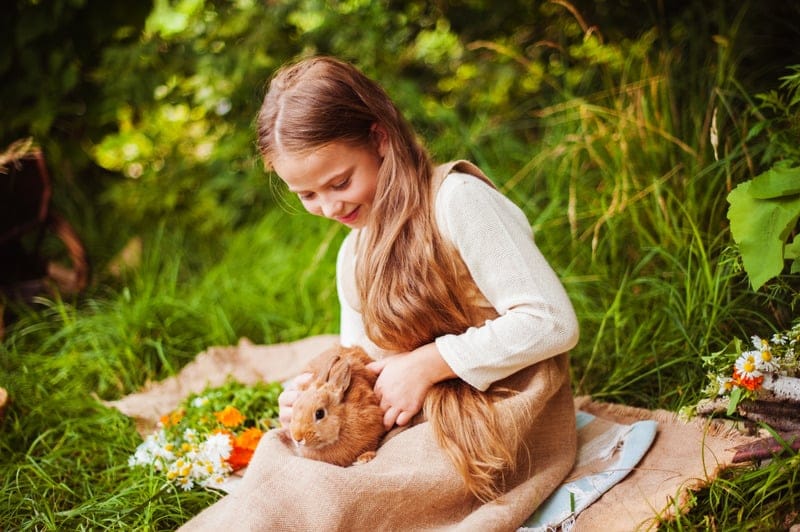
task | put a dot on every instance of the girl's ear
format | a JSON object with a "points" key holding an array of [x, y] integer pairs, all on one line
{"points": [[380, 138]]}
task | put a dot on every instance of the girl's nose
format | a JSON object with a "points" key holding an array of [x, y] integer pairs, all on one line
{"points": [[331, 209]]}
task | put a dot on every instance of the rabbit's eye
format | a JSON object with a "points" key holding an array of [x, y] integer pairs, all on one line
{"points": [[319, 414]]}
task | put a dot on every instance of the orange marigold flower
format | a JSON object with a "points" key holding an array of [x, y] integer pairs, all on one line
{"points": [[239, 457], [230, 416], [171, 419], [749, 382], [249, 439]]}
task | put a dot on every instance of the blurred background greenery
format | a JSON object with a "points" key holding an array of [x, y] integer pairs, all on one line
{"points": [[618, 126], [146, 110]]}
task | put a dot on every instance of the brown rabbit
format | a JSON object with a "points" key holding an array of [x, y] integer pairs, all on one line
{"points": [[337, 418]]}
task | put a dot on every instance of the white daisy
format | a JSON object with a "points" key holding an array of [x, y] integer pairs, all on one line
{"points": [[765, 361]]}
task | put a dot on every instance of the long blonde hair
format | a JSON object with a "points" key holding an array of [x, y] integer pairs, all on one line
{"points": [[407, 274]]}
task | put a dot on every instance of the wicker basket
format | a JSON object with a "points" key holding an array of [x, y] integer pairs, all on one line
{"points": [[26, 220]]}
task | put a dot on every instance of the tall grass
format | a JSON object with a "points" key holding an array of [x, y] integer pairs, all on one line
{"points": [[64, 455]]}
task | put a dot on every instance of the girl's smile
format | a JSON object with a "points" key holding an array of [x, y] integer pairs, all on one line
{"points": [[350, 218]]}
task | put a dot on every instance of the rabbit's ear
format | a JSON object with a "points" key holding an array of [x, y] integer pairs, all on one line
{"points": [[325, 372], [339, 377]]}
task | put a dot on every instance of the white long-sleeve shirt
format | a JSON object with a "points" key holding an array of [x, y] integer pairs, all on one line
{"points": [[536, 318]]}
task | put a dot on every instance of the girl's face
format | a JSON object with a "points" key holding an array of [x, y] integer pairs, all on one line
{"points": [[336, 181]]}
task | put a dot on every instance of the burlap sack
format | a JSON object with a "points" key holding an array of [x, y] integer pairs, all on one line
{"points": [[410, 485]]}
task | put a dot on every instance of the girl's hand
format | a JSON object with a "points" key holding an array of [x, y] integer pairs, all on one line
{"points": [[404, 381], [289, 395], [399, 387]]}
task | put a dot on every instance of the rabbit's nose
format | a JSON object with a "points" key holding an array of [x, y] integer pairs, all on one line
{"points": [[298, 437]]}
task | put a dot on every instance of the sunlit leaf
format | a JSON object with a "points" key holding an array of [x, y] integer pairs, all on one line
{"points": [[760, 227], [777, 182]]}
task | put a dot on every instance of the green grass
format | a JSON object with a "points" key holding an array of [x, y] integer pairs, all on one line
{"points": [[751, 497], [64, 455]]}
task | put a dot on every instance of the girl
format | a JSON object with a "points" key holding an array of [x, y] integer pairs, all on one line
{"points": [[441, 282]]}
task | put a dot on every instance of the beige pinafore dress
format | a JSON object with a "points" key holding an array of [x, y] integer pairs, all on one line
{"points": [[411, 484]]}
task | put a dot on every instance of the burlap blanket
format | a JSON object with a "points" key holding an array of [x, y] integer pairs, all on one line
{"points": [[628, 475]]}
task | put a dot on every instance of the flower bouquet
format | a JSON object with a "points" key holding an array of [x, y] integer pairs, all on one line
{"points": [[210, 435], [757, 380]]}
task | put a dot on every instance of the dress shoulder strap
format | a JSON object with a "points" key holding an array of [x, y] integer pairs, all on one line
{"points": [[466, 167]]}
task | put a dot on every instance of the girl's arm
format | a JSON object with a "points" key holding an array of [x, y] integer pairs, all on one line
{"points": [[495, 240]]}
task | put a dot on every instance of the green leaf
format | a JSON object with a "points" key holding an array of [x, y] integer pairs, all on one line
{"points": [[733, 402], [777, 182], [760, 227], [755, 130], [792, 251]]}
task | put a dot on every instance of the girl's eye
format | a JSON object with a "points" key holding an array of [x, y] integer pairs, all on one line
{"points": [[306, 196], [341, 185], [319, 414]]}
